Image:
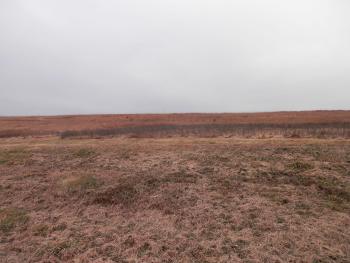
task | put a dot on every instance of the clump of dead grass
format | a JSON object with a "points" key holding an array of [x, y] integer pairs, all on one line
{"points": [[12, 217], [84, 153], [123, 194], [335, 193], [142, 250], [181, 176], [14, 156], [172, 200], [41, 230], [300, 166], [164, 193], [62, 250], [60, 227], [58, 249], [79, 183], [238, 247]]}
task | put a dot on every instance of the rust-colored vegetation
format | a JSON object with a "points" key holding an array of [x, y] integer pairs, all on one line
{"points": [[320, 124], [193, 194]]}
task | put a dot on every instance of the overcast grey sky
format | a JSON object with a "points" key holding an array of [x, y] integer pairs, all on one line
{"points": [[135, 56]]}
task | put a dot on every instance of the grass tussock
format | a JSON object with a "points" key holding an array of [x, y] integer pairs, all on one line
{"points": [[84, 153], [14, 156], [79, 183], [334, 193], [58, 249], [10, 218], [164, 193], [41, 230], [181, 176], [123, 194], [63, 250], [59, 227], [172, 200], [299, 166]]}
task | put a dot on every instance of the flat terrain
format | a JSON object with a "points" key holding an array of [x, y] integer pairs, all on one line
{"points": [[174, 199], [49, 125]]}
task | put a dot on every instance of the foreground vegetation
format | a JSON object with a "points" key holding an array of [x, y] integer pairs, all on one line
{"points": [[174, 200]]}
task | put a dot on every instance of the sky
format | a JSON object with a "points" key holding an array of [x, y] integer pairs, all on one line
{"points": [[163, 56]]}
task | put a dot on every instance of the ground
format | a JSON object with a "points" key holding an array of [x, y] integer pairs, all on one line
{"points": [[51, 125], [174, 200]]}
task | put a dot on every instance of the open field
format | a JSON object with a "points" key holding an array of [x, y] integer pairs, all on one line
{"points": [[303, 124], [174, 200]]}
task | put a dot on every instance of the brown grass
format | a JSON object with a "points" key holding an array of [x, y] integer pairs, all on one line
{"points": [[14, 156], [175, 200], [292, 124], [12, 217], [79, 183]]}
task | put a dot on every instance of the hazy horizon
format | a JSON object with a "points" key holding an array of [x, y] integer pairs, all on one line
{"points": [[116, 57]]}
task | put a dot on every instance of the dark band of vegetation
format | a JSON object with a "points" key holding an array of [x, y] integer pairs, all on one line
{"points": [[290, 130]]}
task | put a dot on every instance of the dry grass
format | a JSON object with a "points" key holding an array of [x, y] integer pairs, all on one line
{"points": [[290, 124], [14, 156], [300, 166], [123, 194], [209, 130], [12, 217], [79, 183], [175, 200], [84, 153], [41, 230]]}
